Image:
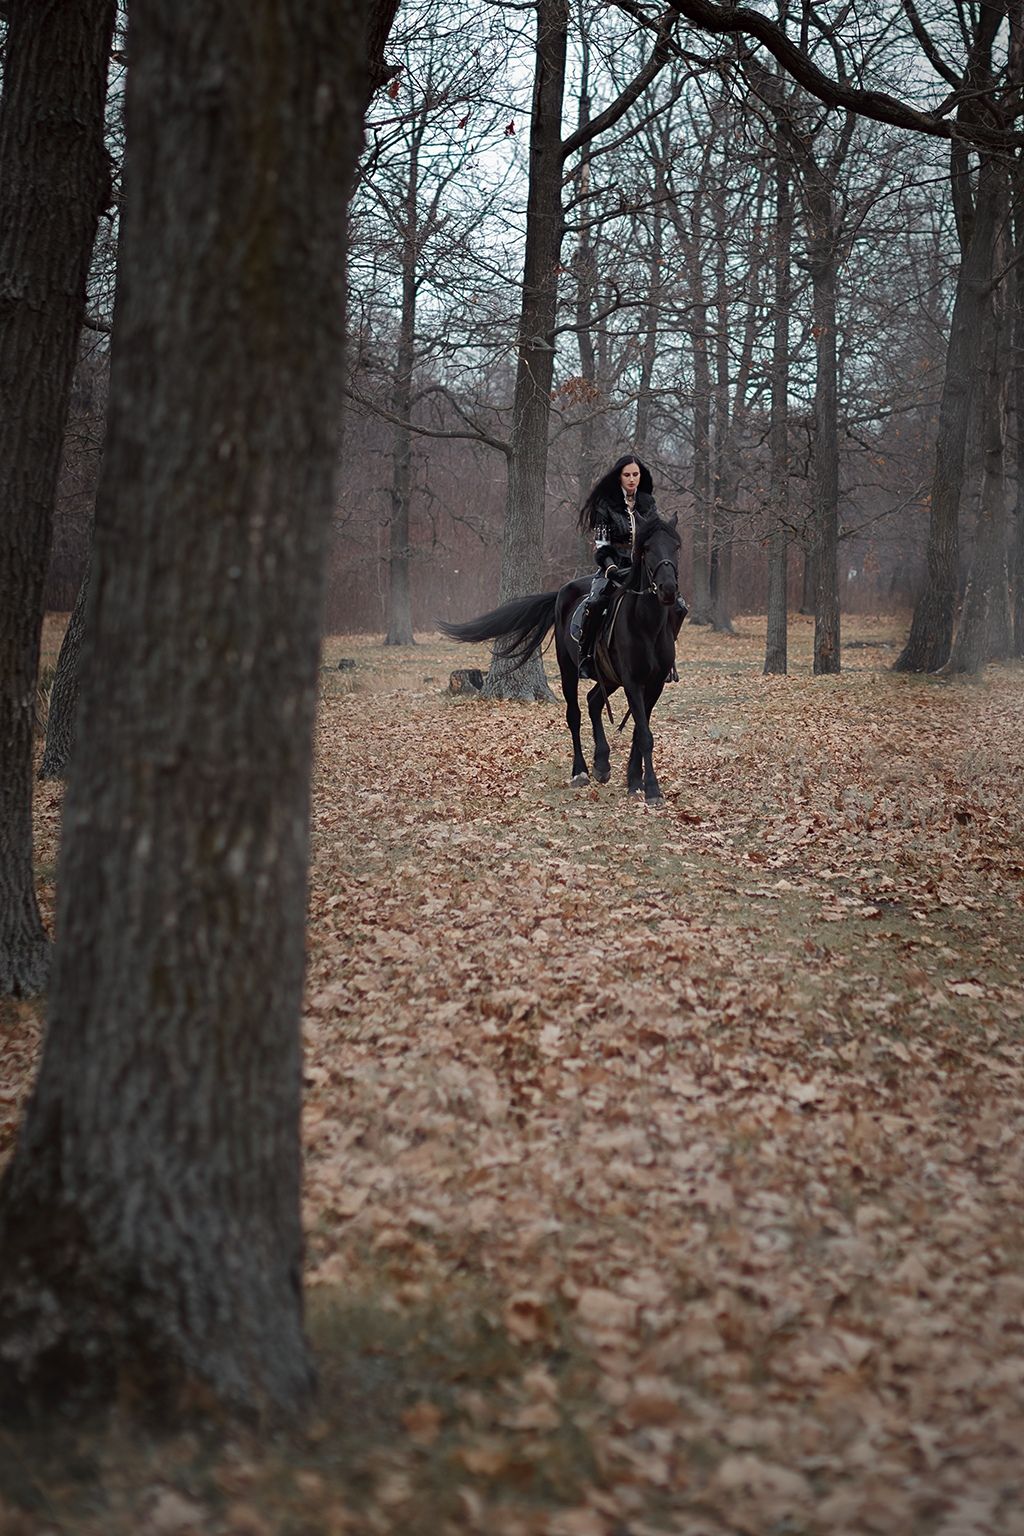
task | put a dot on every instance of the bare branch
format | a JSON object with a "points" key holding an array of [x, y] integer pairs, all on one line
{"points": [[729, 17]]}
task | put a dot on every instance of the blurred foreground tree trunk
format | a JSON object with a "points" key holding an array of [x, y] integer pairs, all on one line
{"points": [[1017, 388], [54, 183], [149, 1218]]}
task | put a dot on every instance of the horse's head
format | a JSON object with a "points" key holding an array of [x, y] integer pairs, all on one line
{"points": [[657, 552]]}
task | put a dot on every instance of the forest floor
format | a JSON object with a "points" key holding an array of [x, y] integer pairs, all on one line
{"points": [[665, 1168]]}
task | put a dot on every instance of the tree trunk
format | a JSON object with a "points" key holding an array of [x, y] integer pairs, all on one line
{"points": [[60, 719], [1018, 567], [700, 599], [826, 468], [399, 627], [1017, 392], [776, 645], [149, 1219], [523, 544], [723, 476], [1018, 543], [54, 182], [586, 285], [984, 630], [931, 630]]}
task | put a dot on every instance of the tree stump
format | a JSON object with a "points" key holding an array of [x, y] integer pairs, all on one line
{"points": [[466, 680]]}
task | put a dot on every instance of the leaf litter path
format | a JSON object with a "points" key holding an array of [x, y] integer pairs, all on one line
{"points": [[713, 1115], [664, 1170]]}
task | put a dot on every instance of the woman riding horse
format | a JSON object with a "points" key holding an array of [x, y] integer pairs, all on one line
{"points": [[636, 656], [622, 495]]}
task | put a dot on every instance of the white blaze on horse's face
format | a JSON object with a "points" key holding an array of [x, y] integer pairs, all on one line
{"points": [[629, 478]]}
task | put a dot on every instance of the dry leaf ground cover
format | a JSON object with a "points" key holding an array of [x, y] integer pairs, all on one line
{"points": [[664, 1168]]}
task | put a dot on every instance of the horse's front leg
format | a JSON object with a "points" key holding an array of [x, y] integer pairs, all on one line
{"points": [[640, 774], [573, 719], [602, 752]]}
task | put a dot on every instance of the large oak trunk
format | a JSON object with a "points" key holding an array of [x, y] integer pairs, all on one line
{"points": [[931, 631], [150, 1217], [54, 181], [984, 631]]}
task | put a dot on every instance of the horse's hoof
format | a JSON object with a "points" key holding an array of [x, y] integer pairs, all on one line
{"points": [[580, 780], [602, 778], [635, 794], [655, 801]]}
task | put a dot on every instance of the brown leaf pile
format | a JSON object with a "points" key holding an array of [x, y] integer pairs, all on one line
{"points": [[730, 1092], [706, 1123]]}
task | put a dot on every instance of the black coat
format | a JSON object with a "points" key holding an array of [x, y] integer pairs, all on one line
{"points": [[613, 533]]}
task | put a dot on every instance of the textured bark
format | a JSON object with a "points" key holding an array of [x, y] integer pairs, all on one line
{"points": [[1017, 365], [149, 1219], [1017, 544], [523, 538], [931, 631], [54, 182], [983, 633], [1018, 563], [60, 719], [776, 645]]}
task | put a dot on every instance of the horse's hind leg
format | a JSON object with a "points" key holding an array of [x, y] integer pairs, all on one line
{"points": [[602, 753], [573, 718]]}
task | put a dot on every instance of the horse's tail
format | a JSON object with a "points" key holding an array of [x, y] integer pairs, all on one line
{"points": [[518, 627]]}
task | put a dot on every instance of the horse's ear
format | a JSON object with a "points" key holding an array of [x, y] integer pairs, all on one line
{"points": [[673, 520]]}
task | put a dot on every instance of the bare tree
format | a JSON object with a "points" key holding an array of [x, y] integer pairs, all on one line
{"points": [[149, 1218], [521, 567], [776, 643]]}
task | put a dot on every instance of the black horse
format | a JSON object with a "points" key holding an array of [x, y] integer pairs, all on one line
{"points": [[635, 649]]}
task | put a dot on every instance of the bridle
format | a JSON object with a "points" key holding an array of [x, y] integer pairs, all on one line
{"points": [[652, 585], [652, 574]]}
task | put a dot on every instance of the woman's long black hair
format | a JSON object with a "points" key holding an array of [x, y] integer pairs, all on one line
{"points": [[608, 485]]}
